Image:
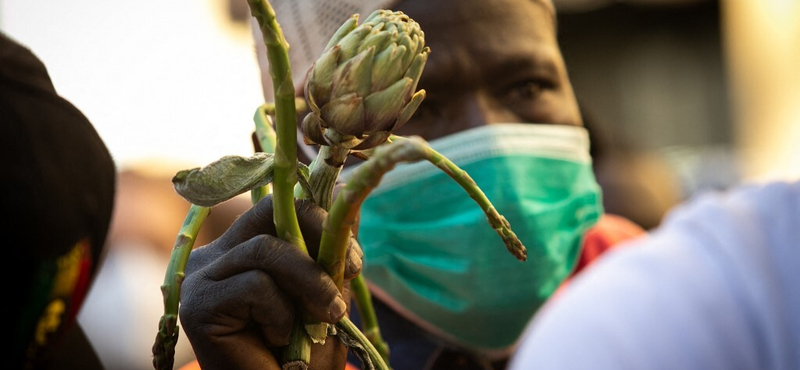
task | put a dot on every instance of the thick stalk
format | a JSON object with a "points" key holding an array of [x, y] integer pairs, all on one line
{"points": [[167, 337], [285, 115], [328, 164], [325, 171], [265, 141], [298, 354], [338, 225]]}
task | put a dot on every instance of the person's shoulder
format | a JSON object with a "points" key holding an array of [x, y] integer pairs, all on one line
{"points": [[755, 213], [766, 197], [705, 289]]}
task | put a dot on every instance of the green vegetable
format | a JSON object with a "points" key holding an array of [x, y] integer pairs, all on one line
{"points": [[360, 90], [362, 87]]}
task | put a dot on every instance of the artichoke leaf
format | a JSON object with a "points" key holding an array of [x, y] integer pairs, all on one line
{"points": [[226, 178]]}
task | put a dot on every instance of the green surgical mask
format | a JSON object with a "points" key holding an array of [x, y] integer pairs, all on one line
{"points": [[429, 249]]}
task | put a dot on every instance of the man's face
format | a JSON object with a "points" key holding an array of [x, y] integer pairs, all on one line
{"points": [[491, 61]]}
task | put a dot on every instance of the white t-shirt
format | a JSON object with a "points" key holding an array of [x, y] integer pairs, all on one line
{"points": [[717, 286]]}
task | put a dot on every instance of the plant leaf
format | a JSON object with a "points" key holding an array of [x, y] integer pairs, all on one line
{"points": [[226, 178]]}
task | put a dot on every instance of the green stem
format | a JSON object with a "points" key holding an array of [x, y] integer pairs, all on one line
{"points": [[337, 227], [358, 338], [256, 194], [325, 170], [285, 125], [499, 223], [285, 175], [265, 131], [328, 164], [167, 337], [369, 321], [342, 217], [265, 134], [267, 140]]}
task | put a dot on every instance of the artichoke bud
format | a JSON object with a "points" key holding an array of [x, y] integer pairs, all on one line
{"points": [[409, 109], [383, 107], [354, 75], [343, 30], [363, 85], [312, 129], [415, 70], [388, 67], [351, 42], [319, 91], [380, 40], [346, 112]]}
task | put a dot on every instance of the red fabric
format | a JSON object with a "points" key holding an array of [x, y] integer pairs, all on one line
{"points": [[84, 278], [609, 232]]}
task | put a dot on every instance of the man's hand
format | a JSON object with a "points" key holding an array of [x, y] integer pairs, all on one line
{"points": [[242, 292]]}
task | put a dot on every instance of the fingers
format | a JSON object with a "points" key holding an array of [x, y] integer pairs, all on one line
{"points": [[259, 220], [296, 273], [354, 260], [311, 217], [241, 352], [217, 315], [223, 308], [241, 292]]}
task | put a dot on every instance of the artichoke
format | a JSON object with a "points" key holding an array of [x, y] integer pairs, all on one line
{"points": [[362, 86]]}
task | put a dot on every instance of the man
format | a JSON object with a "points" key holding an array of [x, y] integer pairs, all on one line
{"points": [[500, 105], [58, 185]]}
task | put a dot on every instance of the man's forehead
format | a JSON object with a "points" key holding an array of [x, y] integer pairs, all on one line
{"points": [[309, 24], [440, 17], [427, 5], [458, 65], [547, 3]]}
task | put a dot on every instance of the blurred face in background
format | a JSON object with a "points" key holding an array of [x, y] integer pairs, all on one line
{"points": [[499, 105], [491, 61]]}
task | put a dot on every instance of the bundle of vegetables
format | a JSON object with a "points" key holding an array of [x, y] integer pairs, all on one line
{"points": [[359, 91]]}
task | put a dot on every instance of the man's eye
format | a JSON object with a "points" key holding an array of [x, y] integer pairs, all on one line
{"points": [[526, 91]]}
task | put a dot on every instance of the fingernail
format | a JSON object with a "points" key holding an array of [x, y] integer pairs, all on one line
{"points": [[337, 308], [354, 265]]}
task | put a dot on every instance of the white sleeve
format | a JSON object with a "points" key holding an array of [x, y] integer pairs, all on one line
{"points": [[717, 286]]}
